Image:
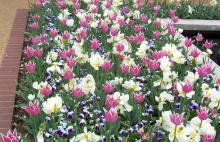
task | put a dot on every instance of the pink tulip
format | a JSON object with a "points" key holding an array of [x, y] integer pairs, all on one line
{"points": [[36, 17], [111, 116], [187, 88], [124, 69], [61, 4], [70, 52], [120, 47], [68, 74], [94, 43], [46, 91], [208, 138], [126, 9], [188, 42], [110, 102], [96, 2], [107, 65], [83, 33], [43, 38], [175, 19], [37, 4], [143, 18], [218, 80], [65, 35], [156, 34], [135, 70], [121, 22], [203, 114], [32, 108], [208, 44], [114, 31], [151, 3], [30, 67], [139, 98], [71, 63], [171, 31], [176, 119], [138, 28], [204, 70], [29, 52], [77, 5], [132, 22], [53, 33], [83, 23], [74, 1], [88, 18], [153, 65], [156, 9], [157, 55], [195, 53], [38, 53], [199, 37], [104, 27], [11, 137], [172, 13], [63, 54], [113, 17], [157, 23], [77, 92], [108, 88], [35, 40], [34, 26]]}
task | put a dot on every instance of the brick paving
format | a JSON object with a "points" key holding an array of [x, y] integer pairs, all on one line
{"points": [[9, 70]]}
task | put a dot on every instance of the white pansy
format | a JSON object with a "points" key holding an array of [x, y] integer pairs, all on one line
{"points": [[86, 136], [215, 99], [141, 51], [70, 22], [87, 1], [191, 135], [164, 96], [131, 85], [55, 67], [165, 63], [165, 122], [88, 84], [191, 77], [196, 124], [128, 61], [70, 85], [31, 97], [207, 129], [117, 81], [170, 48], [52, 105], [123, 102], [206, 90], [82, 58], [51, 57], [178, 134], [178, 57], [96, 61]]}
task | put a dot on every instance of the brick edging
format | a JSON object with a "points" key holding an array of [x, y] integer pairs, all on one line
{"points": [[9, 69]]}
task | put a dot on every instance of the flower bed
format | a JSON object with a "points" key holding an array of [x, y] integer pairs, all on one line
{"points": [[104, 71]]}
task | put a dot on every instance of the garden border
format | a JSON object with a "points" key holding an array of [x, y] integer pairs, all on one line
{"points": [[9, 69], [197, 24]]}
